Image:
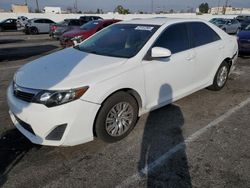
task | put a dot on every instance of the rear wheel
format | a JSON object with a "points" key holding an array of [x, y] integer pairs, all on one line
{"points": [[33, 31], [117, 117], [221, 77]]}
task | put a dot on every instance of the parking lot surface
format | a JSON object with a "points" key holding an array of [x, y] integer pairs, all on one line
{"points": [[199, 141]]}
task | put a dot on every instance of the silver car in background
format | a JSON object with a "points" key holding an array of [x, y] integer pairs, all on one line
{"points": [[231, 26], [38, 25]]}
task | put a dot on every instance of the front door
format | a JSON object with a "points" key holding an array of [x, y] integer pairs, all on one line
{"points": [[170, 78]]}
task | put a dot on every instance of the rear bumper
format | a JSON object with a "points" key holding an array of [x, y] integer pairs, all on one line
{"points": [[234, 61]]}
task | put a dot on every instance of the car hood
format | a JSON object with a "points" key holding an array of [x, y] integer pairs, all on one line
{"points": [[67, 69], [74, 32], [244, 35]]}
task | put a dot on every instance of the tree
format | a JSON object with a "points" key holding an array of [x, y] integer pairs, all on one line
{"points": [[121, 10], [203, 8]]}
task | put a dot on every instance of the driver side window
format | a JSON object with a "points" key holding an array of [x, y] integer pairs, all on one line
{"points": [[175, 38]]}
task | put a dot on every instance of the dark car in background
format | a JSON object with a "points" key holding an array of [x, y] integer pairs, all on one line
{"points": [[244, 20], [57, 29], [244, 24], [86, 19], [8, 24], [76, 36], [244, 41]]}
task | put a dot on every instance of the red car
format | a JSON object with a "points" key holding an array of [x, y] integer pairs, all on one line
{"points": [[76, 36]]}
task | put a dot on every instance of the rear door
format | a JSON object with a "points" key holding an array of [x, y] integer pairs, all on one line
{"points": [[46, 25], [208, 48], [39, 25]]}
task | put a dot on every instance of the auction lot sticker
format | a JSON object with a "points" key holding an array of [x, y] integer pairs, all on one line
{"points": [[144, 28]]}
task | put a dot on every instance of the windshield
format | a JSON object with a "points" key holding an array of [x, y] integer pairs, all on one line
{"points": [[120, 40], [90, 25], [62, 22], [220, 22]]}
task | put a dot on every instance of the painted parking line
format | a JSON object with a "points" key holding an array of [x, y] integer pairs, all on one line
{"points": [[12, 67], [162, 160]]}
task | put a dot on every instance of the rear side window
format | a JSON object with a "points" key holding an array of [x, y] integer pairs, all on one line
{"points": [[202, 34], [175, 38], [38, 21], [47, 21]]}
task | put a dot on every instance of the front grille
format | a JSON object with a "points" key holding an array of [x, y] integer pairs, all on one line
{"points": [[24, 95], [26, 126]]}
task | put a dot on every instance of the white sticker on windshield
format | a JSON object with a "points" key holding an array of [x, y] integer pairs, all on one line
{"points": [[144, 28]]}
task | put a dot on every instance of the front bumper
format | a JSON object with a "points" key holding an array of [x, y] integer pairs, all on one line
{"points": [[77, 115], [66, 42]]}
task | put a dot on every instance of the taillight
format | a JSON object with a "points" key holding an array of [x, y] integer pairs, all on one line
{"points": [[53, 27]]}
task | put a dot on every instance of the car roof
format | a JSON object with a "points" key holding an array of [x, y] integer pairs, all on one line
{"points": [[159, 20], [40, 19], [70, 19]]}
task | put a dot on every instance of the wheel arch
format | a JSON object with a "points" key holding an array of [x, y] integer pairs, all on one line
{"points": [[229, 61], [130, 91]]}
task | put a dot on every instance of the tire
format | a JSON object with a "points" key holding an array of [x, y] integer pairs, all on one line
{"points": [[1, 29], [33, 31], [112, 126], [220, 77]]}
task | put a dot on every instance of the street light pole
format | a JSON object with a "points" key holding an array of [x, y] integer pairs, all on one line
{"points": [[152, 6], [218, 7], [225, 8], [76, 5], [37, 6]]}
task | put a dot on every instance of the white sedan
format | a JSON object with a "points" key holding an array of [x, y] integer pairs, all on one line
{"points": [[102, 86]]}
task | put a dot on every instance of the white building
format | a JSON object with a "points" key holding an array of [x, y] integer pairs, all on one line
{"points": [[229, 10], [55, 10]]}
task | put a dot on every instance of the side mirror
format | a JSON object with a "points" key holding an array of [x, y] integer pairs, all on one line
{"points": [[159, 52]]}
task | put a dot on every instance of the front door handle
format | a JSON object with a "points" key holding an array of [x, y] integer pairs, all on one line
{"points": [[221, 47], [191, 57]]}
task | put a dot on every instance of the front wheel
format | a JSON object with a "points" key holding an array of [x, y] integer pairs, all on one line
{"points": [[221, 77], [117, 117], [33, 31]]}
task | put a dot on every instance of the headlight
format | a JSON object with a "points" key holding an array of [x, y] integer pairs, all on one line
{"points": [[55, 98], [78, 39]]}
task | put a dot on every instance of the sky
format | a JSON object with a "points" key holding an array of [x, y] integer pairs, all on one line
{"points": [[133, 5]]}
